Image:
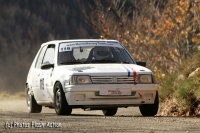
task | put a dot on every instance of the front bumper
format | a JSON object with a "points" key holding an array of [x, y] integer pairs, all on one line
{"points": [[88, 95]]}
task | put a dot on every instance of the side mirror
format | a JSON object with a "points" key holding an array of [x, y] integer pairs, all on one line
{"points": [[141, 63], [47, 66]]}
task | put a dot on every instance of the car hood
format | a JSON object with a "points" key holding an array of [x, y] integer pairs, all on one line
{"points": [[105, 69]]}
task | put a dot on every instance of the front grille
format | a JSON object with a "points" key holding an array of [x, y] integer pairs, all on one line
{"points": [[102, 80], [125, 80], [112, 80]]}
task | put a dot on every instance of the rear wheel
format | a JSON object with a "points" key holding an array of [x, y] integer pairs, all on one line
{"points": [[150, 109], [110, 111], [32, 105], [60, 103]]}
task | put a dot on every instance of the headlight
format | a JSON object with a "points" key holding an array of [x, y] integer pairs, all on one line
{"points": [[80, 80], [145, 79]]}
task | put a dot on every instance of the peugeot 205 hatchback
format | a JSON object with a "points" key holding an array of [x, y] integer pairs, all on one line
{"points": [[89, 74]]}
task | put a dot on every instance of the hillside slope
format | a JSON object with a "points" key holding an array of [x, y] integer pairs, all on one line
{"points": [[180, 93], [25, 25]]}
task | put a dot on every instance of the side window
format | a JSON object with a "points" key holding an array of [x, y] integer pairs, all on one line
{"points": [[49, 55], [40, 57]]}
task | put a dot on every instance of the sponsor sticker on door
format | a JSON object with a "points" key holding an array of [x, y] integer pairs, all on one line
{"points": [[115, 91]]}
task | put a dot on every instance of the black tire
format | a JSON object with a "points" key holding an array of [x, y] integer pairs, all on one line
{"points": [[32, 105], [110, 111], [150, 109], [60, 103]]}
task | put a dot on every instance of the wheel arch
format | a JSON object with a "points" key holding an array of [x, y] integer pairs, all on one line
{"points": [[28, 85], [57, 81], [54, 89]]}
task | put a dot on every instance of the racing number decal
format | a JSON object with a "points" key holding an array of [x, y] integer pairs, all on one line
{"points": [[42, 84]]}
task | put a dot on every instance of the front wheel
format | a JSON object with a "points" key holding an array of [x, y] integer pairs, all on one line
{"points": [[150, 109], [32, 105], [60, 103], [110, 111]]}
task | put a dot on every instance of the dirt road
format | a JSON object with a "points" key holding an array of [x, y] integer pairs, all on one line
{"points": [[14, 118]]}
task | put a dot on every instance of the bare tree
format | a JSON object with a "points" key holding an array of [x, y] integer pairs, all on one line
{"points": [[157, 31]]}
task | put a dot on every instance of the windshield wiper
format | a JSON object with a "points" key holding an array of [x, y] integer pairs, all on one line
{"points": [[125, 62], [103, 61], [72, 62]]}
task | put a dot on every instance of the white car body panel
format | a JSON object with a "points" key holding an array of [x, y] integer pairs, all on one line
{"points": [[41, 83]]}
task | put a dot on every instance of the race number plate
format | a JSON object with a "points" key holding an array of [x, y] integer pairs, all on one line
{"points": [[115, 91]]}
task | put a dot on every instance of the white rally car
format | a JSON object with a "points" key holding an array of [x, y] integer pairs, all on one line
{"points": [[89, 74]]}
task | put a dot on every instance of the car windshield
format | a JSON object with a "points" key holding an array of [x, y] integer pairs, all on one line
{"points": [[93, 54]]}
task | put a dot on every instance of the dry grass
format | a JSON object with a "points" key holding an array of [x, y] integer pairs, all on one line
{"points": [[7, 96], [171, 107]]}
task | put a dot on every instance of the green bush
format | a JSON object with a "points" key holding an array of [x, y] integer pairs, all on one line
{"points": [[184, 93], [167, 89], [187, 94]]}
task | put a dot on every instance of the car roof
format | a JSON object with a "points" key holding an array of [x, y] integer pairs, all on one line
{"points": [[56, 42]]}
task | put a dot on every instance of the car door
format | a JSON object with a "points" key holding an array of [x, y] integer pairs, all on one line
{"points": [[35, 72], [44, 76]]}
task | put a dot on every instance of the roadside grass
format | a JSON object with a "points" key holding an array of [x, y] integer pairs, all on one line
{"points": [[181, 95], [6, 96], [167, 89]]}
